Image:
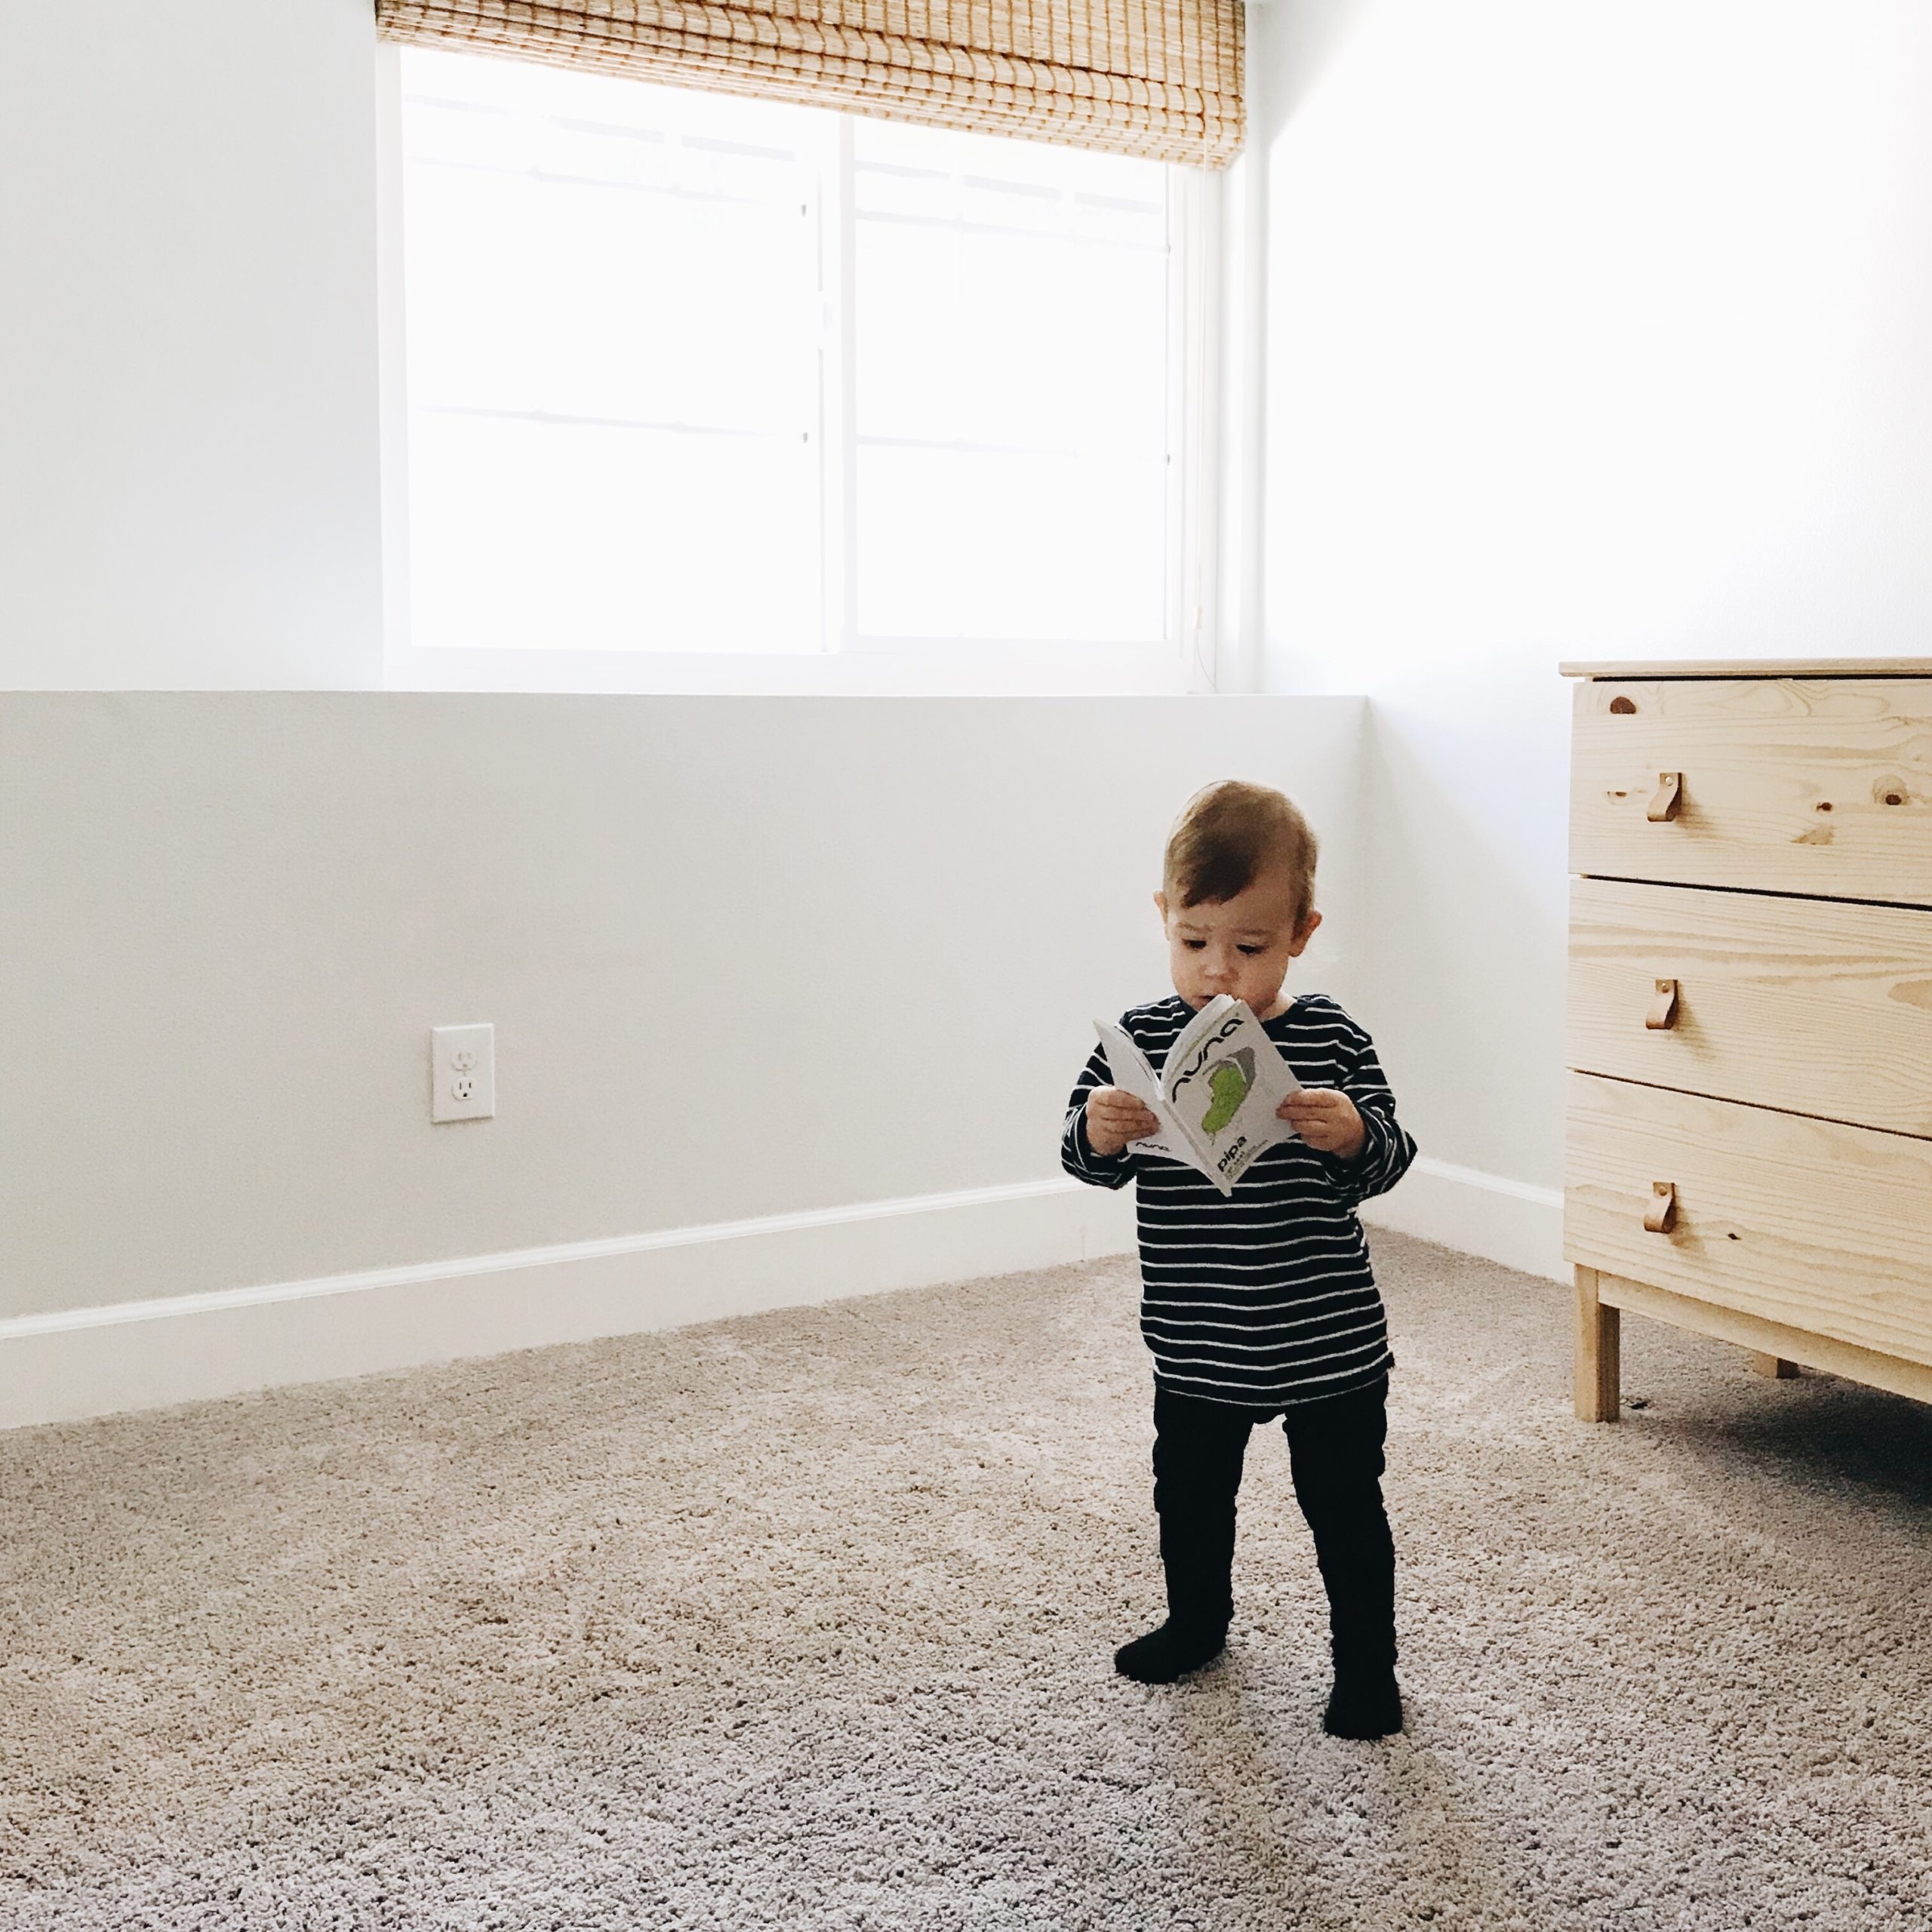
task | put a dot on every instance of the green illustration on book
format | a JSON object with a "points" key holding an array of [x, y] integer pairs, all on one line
{"points": [[1218, 1094], [1228, 1082]]}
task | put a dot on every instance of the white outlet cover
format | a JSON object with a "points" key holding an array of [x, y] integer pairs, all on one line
{"points": [[462, 1072]]}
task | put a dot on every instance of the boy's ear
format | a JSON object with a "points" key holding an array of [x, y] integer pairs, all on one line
{"points": [[1161, 906], [1307, 933]]}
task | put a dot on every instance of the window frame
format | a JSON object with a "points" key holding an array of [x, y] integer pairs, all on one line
{"points": [[1184, 660]]}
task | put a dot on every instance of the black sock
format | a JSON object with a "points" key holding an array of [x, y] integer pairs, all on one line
{"points": [[1169, 1652], [1363, 1703]]}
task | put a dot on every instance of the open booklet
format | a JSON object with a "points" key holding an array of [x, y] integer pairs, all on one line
{"points": [[1216, 1096]]}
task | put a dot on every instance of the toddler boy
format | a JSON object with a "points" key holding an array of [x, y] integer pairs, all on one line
{"points": [[1261, 1303]]}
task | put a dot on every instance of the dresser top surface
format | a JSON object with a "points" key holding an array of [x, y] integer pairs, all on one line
{"points": [[1751, 667]]}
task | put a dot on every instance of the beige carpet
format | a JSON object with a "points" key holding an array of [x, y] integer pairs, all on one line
{"points": [[805, 1620]]}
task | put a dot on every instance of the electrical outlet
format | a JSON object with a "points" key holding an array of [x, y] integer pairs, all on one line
{"points": [[462, 1072]]}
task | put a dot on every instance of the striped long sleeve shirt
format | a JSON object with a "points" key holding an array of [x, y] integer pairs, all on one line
{"points": [[1264, 1297]]}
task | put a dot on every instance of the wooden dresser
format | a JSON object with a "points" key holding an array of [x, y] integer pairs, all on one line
{"points": [[1749, 1143]]}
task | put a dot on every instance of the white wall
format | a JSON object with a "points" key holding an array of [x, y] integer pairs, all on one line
{"points": [[746, 959], [230, 920], [1595, 329], [192, 233], [188, 426]]}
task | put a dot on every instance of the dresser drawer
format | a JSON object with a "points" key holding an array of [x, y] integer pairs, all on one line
{"points": [[1820, 786], [1809, 1223], [1815, 1007]]}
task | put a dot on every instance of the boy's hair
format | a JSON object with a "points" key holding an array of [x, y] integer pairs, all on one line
{"points": [[1227, 832]]}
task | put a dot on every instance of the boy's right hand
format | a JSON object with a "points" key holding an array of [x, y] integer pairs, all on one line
{"points": [[1114, 1117]]}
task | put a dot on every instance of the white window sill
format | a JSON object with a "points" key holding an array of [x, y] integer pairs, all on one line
{"points": [[925, 669]]}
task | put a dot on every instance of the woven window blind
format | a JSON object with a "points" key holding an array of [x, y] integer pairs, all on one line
{"points": [[1158, 78]]}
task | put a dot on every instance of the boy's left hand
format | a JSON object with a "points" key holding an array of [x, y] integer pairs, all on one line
{"points": [[1326, 1120]]}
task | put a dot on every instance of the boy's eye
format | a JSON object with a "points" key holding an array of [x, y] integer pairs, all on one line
{"points": [[1194, 945], [1251, 950]]}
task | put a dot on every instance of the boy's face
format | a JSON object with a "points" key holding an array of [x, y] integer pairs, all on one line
{"points": [[1241, 946]]}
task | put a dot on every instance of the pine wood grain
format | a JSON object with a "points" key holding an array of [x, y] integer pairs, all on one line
{"points": [[1816, 1008], [1787, 785], [1770, 1339], [1598, 1377], [1747, 667], [1811, 1225]]}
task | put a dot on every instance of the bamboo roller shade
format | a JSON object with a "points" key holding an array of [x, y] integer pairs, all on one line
{"points": [[1158, 78]]}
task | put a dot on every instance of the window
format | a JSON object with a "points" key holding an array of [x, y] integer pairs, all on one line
{"points": [[689, 373]]}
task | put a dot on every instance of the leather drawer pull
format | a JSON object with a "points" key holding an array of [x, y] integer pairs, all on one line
{"points": [[1662, 1013], [1670, 793], [1661, 1215]]}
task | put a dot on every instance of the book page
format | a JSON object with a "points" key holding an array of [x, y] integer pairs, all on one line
{"points": [[1128, 1069], [1198, 1035], [1223, 1080]]}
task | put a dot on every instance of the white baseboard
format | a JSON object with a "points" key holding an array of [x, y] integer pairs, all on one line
{"points": [[92, 1361], [1503, 1220]]}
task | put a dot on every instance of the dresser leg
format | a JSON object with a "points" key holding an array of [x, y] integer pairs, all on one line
{"points": [[1599, 1369], [1774, 1366]]}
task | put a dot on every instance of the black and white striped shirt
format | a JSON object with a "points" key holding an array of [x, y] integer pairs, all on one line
{"points": [[1264, 1296]]}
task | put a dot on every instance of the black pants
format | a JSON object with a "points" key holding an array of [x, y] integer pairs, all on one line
{"points": [[1335, 1456]]}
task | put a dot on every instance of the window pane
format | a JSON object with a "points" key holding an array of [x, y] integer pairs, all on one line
{"points": [[619, 334], [1017, 340], [580, 536], [1000, 545], [613, 335], [1011, 370]]}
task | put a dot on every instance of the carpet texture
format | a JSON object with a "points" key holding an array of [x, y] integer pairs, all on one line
{"points": [[806, 1620]]}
